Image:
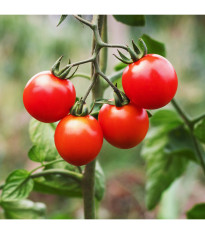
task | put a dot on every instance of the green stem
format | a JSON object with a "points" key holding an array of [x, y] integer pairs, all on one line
{"points": [[89, 24], [181, 112], [81, 76], [197, 119], [116, 90], [189, 123], [46, 164], [86, 95], [114, 46], [104, 52], [76, 176], [88, 186], [199, 153], [71, 174], [88, 183]]}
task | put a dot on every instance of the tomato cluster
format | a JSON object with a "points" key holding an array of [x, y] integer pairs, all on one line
{"points": [[149, 83]]}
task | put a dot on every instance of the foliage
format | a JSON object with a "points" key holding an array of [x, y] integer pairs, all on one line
{"points": [[197, 212]]}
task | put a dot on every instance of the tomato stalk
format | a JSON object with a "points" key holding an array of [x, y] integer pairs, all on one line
{"points": [[88, 183]]}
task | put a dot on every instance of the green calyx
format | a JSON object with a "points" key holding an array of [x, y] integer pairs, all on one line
{"points": [[119, 102], [135, 54], [79, 108], [63, 73]]}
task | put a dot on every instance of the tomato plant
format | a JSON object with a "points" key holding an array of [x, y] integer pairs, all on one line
{"points": [[151, 82], [67, 151], [48, 98], [123, 127], [78, 139]]}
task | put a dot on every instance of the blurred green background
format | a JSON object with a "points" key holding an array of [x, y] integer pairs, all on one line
{"points": [[30, 44]]}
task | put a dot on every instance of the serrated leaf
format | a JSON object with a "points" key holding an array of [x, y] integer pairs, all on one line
{"points": [[153, 46], [62, 18], [131, 20], [23, 209], [199, 131], [42, 137], [168, 148], [197, 212], [18, 186]]}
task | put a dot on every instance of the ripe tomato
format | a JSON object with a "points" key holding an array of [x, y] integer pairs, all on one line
{"points": [[123, 127], [78, 139], [48, 98], [150, 82]]}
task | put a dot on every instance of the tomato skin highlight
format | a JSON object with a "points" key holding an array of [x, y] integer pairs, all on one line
{"points": [[78, 139], [48, 98], [123, 127], [150, 82]]}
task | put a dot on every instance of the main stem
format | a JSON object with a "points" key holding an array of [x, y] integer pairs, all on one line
{"points": [[88, 182]]}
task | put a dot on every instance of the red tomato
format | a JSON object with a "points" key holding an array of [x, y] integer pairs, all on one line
{"points": [[78, 139], [48, 98], [123, 127], [150, 82]]}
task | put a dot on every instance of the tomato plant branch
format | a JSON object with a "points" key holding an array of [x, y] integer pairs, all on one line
{"points": [[189, 123], [197, 119], [114, 46], [46, 164], [81, 76], [89, 89], [74, 175], [116, 90], [86, 22], [199, 152], [71, 174], [181, 112]]}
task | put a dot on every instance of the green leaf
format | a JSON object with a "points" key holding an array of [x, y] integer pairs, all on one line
{"points": [[153, 46], [65, 186], [37, 154], [199, 131], [197, 212], [61, 165], [131, 20], [42, 137], [99, 182], [23, 209], [120, 66], [18, 186], [58, 185], [168, 148], [62, 18]]}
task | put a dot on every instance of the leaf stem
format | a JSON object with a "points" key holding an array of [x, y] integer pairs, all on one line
{"points": [[81, 76], [74, 175], [71, 174], [181, 112], [197, 119], [89, 24], [190, 125], [46, 164]]}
